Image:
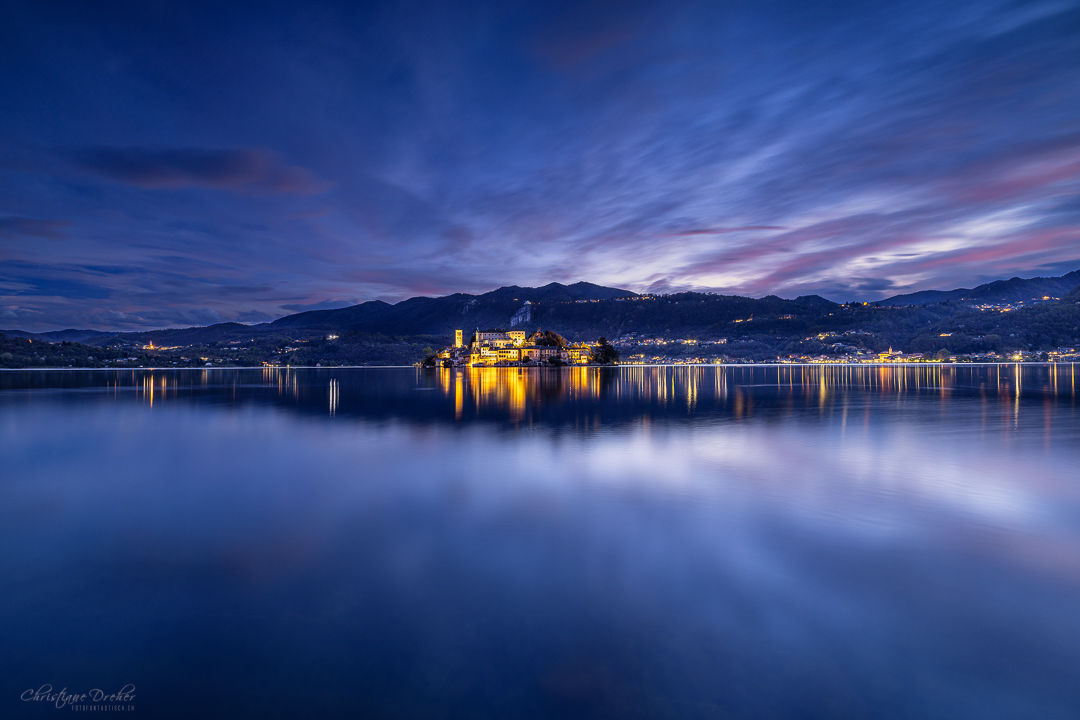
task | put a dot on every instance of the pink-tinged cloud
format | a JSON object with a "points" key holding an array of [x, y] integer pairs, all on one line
{"points": [[1026, 251], [1022, 247], [1020, 178], [428, 283], [16, 227], [246, 171], [722, 231], [587, 31], [783, 245]]}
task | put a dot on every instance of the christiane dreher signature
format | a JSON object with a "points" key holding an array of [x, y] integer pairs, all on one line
{"points": [[95, 699]]}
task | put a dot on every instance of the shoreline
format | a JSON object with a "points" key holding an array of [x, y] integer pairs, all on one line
{"points": [[565, 367]]}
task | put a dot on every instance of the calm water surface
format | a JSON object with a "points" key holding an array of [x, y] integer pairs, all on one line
{"points": [[793, 542]]}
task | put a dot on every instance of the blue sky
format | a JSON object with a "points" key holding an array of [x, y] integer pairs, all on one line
{"points": [[166, 164]]}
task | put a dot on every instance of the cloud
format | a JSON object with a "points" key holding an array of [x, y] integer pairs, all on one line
{"points": [[15, 227], [738, 147], [168, 317], [872, 284], [587, 31], [722, 231], [25, 280], [254, 316], [321, 305], [245, 171]]}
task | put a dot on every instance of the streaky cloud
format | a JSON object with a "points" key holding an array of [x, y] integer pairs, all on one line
{"points": [[722, 231], [250, 171], [19, 227]]}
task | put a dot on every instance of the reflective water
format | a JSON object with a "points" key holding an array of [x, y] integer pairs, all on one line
{"points": [[792, 542]]}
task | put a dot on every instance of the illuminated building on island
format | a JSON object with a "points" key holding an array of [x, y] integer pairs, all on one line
{"points": [[513, 347]]}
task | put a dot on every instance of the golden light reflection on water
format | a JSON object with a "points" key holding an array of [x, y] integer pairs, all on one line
{"points": [[1006, 391], [514, 391]]}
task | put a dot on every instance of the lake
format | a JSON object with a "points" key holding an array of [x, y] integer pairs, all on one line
{"points": [[632, 542]]}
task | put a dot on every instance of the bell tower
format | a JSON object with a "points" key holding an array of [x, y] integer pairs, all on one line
{"points": [[457, 338]]}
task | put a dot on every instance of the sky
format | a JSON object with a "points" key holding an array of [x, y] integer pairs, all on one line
{"points": [[170, 164]]}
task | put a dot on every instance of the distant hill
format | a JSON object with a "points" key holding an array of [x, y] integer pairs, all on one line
{"points": [[999, 291], [196, 335], [442, 315], [579, 311], [59, 335], [584, 311]]}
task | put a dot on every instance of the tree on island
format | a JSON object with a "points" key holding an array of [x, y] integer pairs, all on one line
{"points": [[547, 338], [605, 353], [430, 356]]}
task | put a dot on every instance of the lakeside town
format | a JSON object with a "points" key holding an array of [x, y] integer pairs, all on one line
{"points": [[512, 348], [500, 348], [831, 348]]}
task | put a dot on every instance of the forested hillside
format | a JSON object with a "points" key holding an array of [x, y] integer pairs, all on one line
{"points": [[1004, 316]]}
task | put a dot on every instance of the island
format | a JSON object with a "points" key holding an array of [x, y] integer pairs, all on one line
{"points": [[515, 348]]}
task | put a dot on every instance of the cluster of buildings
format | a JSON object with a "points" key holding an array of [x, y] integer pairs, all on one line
{"points": [[853, 355], [513, 347], [839, 353], [1009, 307], [633, 339], [651, 359]]}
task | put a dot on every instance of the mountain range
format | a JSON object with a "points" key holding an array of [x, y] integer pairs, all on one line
{"points": [[997, 292], [586, 311]]}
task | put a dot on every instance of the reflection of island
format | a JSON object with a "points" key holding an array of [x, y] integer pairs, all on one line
{"points": [[579, 397], [513, 390]]}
